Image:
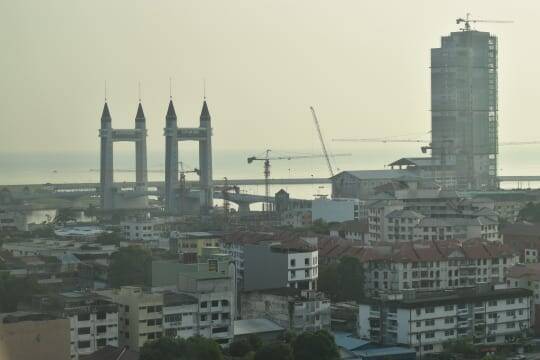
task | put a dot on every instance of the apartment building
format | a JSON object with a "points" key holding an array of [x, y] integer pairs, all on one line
{"points": [[421, 210], [293, 309], [215, 293], [145, 316], [192, 242], [527, 276], [153, 232], [273, 260], [426, 320], [436, 265], [93, 319]]}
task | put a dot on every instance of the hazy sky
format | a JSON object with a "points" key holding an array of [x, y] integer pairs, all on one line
{"points": [[362, 64]]}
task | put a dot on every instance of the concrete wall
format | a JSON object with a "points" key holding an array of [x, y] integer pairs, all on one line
{"points": [[31, 340], [335, 210], [263, 268]]}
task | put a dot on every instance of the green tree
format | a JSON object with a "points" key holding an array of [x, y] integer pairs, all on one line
{"points": [[239, 348], [15, 290], [164, 348], [194, 348], [110, 238], [200, 348], [242, 347], [462, 345], [319, 345], [343, 281], [130, 266], [275, 351], [530, 213]]}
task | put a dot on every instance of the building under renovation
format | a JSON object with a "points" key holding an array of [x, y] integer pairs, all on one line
{"points": [[464, 107]]}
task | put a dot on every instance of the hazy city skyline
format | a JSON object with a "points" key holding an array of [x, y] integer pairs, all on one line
{"points": [[363, 67]]}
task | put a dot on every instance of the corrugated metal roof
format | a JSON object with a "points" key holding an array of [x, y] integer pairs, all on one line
{"points": [[255, 326]]}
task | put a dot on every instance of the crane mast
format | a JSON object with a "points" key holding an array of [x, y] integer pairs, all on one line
{"points": [[266, 161], [325, 153]]}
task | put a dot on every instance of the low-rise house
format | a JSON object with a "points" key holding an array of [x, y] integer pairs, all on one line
{"points": [[266, 330], [355, 230]]}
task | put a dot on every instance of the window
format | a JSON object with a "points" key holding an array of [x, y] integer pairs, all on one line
{"points": [[151, 336], [418, 324], [151, 309], [101, 315], [215, 303], [173, 318], [224, 302], [510, 325], [293, 274], [510, 301], [170, 332], [492, 303], [83, 330], [428, 347], [151, 322], [83, 317], [418, 311], [306, 261], [203, 317], [204, 304], [430, 310], [430, 334], [83, 344], [449, 332], [101, 329], [101, 342], [430, 322], [215, 316], [449, 308], [293, 262], [159, 308], [449, 320], [226, 316]]}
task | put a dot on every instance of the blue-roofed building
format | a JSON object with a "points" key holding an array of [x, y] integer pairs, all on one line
{"points": [[353, 348], [386, 353]]}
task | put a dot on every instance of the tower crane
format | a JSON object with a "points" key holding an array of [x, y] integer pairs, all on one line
{"points": [[325, 153], [467, 22], [266, 161]]}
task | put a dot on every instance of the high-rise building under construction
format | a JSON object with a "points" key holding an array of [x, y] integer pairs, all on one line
{"points": [[464, 117]]}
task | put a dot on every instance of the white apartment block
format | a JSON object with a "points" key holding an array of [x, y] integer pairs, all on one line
{"points": [[435, 266], [151, 231], [426, 320], [293, 309]]}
